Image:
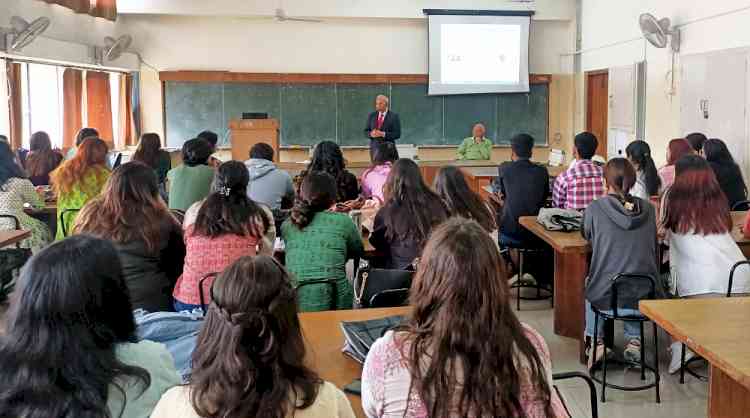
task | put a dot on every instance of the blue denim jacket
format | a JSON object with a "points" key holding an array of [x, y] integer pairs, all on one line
{"points": [[178, 331]]}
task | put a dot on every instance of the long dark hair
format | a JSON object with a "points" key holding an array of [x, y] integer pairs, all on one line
{"points": [[41, 159], [385, 152], [405, 188], [328, 158], [716, 152], [71, 310], [228, 210], [620, 175], [317, 194], [695, 203], [128, 209], [148, 150], [465, 349], [8, 167], [196, 152], [640, 153], [249, 357], [676, 149], [451, 186]]}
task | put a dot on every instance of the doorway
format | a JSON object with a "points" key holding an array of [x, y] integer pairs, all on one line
{"points": [[597, 107]]}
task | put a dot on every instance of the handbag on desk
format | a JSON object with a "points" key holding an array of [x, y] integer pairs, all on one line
{"points": [[565, 220], [372, 281]]}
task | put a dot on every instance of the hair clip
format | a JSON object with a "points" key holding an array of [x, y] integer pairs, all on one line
{"points": [[225, 191]]}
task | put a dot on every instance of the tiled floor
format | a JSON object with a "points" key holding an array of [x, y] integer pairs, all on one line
{"points": [[684, 401]]}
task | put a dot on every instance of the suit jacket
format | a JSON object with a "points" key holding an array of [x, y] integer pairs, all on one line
{"points": [[391, 126]]}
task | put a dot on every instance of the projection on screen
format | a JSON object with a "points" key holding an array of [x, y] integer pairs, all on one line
{"points": [[478, 54]]}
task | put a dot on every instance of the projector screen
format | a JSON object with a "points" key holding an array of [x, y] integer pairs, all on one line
{"points": [[478, 54]]}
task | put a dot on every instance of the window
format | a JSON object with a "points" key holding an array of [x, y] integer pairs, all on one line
{"points": [[42, 102]]}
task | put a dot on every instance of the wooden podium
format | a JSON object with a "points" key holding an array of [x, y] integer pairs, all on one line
{"points": [[248, 132]]}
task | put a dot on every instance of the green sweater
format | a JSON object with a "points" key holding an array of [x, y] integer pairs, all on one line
{"points": [[470, 150], [320, 251], [188, 185]]}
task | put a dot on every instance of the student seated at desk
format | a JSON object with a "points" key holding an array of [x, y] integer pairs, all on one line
{"points": [[647, 181], [702, 251], [70, 326], [676, 149], [220, 229], [374, 178], [410, 211], [319, 243], [149, 152], [583, 182], [41, 159], [190, 181], [83, 133], [462, 351], [523, 187], [213, 139], [15, 191], [622, 231], [728, 173], [451, 186], [475, 147], [253, 335], [328, 158], [79, 180], [696, 140], [132, 215], [268, 184]]}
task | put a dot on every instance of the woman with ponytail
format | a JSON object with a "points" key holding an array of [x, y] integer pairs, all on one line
{"points": [[648, 182], [249, 360], [220, 229], [622, 231], [319, 243]]}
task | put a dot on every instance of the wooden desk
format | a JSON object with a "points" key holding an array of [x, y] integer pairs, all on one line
{"points": [[322, 331], [571, 268], [12, 237], [716, 329]]}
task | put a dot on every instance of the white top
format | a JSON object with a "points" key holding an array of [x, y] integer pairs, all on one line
{"points": [[701, 264], [639, 188], [330, 403]]}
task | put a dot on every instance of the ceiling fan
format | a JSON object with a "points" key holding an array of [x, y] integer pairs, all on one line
{"points": [[22, 33], [281, 16]]}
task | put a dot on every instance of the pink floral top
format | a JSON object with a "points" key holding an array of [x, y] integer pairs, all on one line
{"points": [[386, 380], [373, 181]]}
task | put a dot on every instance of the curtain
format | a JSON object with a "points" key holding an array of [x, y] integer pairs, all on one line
{"points": [[99, 104], [135, 102], [97, 8], [14, 104], [72, 106], [127, 130]]}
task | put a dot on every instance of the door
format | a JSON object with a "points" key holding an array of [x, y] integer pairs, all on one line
{"points": [[597, 107]]}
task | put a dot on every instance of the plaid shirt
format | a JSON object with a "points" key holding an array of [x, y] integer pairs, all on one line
{"points": [[578, 186]]}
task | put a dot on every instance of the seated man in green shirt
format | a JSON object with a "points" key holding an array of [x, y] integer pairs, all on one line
{"points": [[476, 147]]}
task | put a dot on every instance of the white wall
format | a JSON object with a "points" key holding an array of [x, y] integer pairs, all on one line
{"points": [[374, 46], [611, 37]]}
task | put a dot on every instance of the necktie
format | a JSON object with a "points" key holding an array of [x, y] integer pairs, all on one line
{"points": [[381, 117]]}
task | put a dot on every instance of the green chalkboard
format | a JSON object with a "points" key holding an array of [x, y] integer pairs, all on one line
{"points": [[310, 113]]}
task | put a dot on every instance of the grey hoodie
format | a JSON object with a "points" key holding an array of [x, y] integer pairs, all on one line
{"points": [[268, 184], [623, 242]]}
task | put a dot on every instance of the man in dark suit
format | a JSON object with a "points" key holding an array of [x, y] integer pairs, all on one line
{"points": [[382, 124]]}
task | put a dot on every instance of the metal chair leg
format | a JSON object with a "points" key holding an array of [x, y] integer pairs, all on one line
{"points": [[657, 376], [520, 279], [643, 352], [682, 364]]}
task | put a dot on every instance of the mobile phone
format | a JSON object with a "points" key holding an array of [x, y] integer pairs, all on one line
{"points": [[355, 388]]}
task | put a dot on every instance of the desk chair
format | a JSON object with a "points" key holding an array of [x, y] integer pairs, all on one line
{"points": [[741, 206], [179, 215], [11, 260], [204, 305], [621, 281], [520, 284], [684, 364], [62, 220], [331, 283], [390, 298], [589, 383]]}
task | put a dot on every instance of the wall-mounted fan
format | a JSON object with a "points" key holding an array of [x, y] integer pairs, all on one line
{"points": [[659, 31], [112, 49], [22, 33]]}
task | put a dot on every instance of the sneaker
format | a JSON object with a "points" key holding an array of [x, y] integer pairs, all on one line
{"points": [[632, 351], [598, 354], [676, 350]]}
